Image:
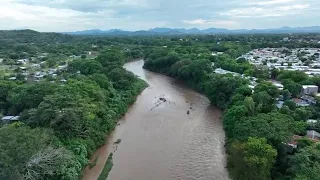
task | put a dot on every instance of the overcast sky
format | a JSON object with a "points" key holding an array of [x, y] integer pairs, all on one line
{"points": [[74, 15]]}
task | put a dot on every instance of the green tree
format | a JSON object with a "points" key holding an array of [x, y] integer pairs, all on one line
{"points": [[275, 127], [295, 76], [219, 89], [251, 106], [286, 94], [306, 163], [292, 87], [252, 159], [292, 105], [195, 71], [304, 142], [29, 96], [51, 62], [268, 87], [232, 116], [266, 101], [29, 154], [111, 56], [90, 67], [5, 88], [301, 114]]}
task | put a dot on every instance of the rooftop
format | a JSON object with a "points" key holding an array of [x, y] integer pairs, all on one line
{"points": [[10, 118]]}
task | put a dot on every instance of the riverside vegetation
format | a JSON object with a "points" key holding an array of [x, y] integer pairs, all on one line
{"points": [[62, 124]]}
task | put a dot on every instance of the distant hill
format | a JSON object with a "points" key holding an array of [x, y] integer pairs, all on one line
{"points": [[30, 36], [176, 31]]}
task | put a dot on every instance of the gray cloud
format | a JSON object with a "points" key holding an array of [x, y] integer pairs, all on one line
{"points": [[88, 5], [65, 15]]}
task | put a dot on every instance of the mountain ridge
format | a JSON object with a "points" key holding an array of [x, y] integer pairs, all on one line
{"points": [[177, 31]]}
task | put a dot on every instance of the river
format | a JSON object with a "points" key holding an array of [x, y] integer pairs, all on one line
{"points": [[160, 140]]}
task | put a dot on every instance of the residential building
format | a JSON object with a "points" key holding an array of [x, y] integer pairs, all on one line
{"points": [[309, 89], [301, 102], [22, 61], [10, 119], [312, 134], [312, 121]]}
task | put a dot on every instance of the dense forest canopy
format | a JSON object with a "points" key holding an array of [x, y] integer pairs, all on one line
{"points": [[61, 125]]}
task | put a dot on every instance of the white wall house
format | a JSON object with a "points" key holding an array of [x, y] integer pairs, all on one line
{"points": [[310, 89]]}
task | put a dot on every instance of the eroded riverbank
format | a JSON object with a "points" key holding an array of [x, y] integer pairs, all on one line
{"points": [[160, 140]]}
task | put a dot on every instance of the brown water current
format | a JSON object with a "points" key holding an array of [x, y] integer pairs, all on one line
{"points": [[170, 133]]}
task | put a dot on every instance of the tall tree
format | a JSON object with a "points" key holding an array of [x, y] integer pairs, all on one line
{"points": [[252, 159], [306, 163]]}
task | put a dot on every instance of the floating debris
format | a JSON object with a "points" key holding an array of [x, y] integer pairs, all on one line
{"points": [[163, 99], [118, 141], [188, 112]]}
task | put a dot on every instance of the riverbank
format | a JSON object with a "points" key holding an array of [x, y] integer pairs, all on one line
{"points": [[160, 140], [100, 156]]}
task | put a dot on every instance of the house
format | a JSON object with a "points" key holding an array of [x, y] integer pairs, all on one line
{"points": [[277, 84], [13, 78], [293, 144], [62, 67], [39, 77], [22, 61], [52, 71], [309, 99], [301, 102], [63, 81], [251, 86], [23, 69], [309, 89], [280, 104], [222, 71], [25, 73], [312, 121], [312, 134], [10, 119]]}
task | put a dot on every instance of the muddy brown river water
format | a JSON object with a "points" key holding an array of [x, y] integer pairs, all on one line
{"points": [[160, 140]]}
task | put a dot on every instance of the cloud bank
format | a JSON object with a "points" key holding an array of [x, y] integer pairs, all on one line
{"points": [[70, 15]]}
